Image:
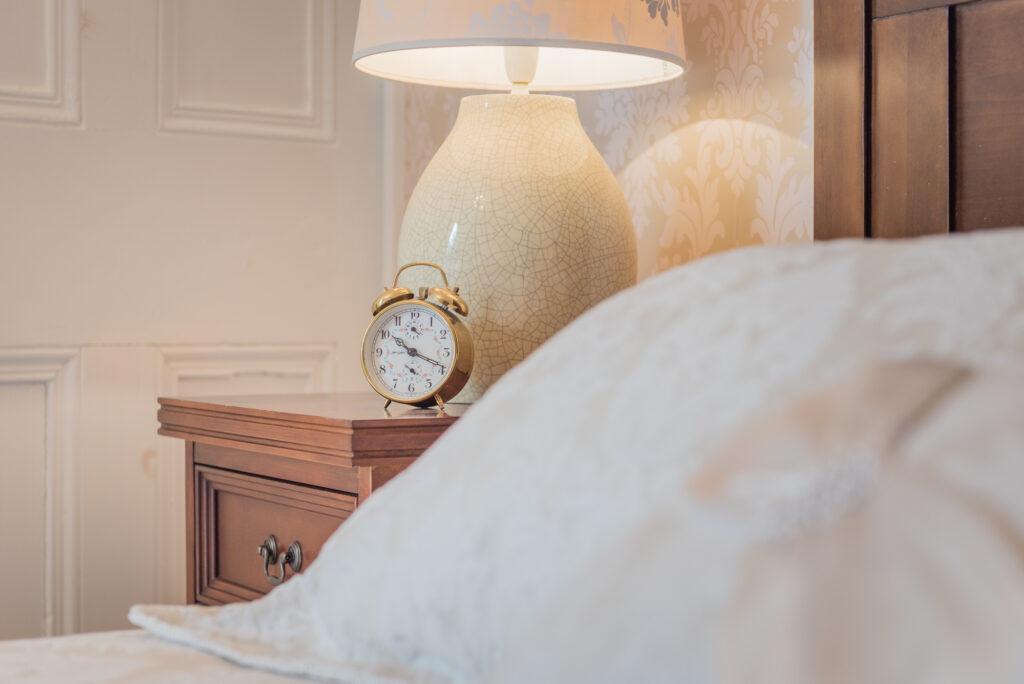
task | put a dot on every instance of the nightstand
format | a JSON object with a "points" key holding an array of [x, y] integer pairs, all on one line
{"points": [[269, 478]]}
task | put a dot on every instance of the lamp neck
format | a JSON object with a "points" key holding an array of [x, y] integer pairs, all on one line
{"points": [[521, 66]]}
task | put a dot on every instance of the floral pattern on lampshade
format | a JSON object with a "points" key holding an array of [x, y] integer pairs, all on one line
{"points": [[515, 19], [720, 158], [656, 7]]}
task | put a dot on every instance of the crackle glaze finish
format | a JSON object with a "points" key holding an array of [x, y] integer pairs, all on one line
{"points": [[526, 218]]}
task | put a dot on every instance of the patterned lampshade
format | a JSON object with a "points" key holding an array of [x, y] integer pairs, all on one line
{"points": [[583, 44]]}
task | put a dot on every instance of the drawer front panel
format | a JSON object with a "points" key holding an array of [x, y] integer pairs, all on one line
{"points": [[235, 514]]}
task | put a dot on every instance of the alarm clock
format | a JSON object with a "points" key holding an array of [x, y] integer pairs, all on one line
{"points": [[418, 349]]}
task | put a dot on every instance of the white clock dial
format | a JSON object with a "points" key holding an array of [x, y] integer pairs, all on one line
{"points": [[408, 351]]}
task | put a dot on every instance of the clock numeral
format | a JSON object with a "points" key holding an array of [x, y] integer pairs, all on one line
{"points": [[430, 383], [444, 333], [379, 351], [446, 353], [383, 370], [398, 320], [384, 334], [414, 315], [412, 387]]}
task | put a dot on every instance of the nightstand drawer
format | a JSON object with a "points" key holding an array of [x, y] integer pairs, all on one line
{"points": [[236, 512]]}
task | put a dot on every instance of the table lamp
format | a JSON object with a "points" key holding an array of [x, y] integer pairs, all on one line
{"points": [[517, 205]]}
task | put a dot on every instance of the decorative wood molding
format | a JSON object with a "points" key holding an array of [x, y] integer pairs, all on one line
{"points": [[57, 370], [312, 362], [313, 121], [55, 100]]}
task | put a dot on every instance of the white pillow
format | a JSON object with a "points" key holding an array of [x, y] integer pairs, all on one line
{"points": [[574, 450], [870, 532]]}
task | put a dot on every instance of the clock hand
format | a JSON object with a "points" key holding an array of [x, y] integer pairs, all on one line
{"points": [[401, 343], [428, 359], [412, 352]]}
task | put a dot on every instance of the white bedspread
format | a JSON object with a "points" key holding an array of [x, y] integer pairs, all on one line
{"points": [[574, 451], [130, 656]]}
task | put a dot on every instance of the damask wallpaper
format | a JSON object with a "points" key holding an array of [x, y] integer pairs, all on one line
{"points": [[717, 159]]}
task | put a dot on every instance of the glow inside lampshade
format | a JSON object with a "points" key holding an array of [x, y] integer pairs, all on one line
{"points": [[584, 44]]}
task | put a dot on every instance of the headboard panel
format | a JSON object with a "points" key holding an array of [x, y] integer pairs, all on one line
{"points": [[919, 116]]}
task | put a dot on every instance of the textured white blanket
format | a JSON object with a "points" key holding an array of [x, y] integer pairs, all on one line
{"points": [[129, 657], [578, 448]]}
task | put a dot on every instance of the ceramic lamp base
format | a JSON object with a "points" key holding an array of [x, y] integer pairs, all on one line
{"points": [[522, 212]]}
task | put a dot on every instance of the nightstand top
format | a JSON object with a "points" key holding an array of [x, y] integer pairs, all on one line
{"points": [[354, 409], [349, 425]]}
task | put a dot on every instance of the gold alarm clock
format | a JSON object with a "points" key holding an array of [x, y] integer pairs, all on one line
{"points": [[417, 349]]}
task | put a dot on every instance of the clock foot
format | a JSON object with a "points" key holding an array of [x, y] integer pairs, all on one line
{"points": [[386, 404], [440, 402]]}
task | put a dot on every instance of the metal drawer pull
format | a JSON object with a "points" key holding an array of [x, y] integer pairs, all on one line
{"points": [[292, 558]]}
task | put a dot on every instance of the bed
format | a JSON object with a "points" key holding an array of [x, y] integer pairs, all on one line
{"points": [[776, 464], [123, 656]]}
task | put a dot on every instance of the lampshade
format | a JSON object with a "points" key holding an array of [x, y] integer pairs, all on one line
{"points": [[583, 44]]}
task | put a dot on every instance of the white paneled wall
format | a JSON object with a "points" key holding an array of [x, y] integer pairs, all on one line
{"points": [[23, 498], [39, 68], [192, 202], [39, 390], [277, 78]]}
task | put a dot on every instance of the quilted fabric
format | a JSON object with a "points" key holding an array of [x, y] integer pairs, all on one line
{"points": [[131, 656], [574, 450], [870, 532]]}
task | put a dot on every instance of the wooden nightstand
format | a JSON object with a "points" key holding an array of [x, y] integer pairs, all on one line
{"points": [[291, 466]]}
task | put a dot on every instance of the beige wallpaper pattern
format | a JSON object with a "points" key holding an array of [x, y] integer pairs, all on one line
{"points": [[718, 159]]}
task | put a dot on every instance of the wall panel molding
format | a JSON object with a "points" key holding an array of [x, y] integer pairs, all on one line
{"points": [[312, 364], [311, 119], [56, 98], [57, 370]]}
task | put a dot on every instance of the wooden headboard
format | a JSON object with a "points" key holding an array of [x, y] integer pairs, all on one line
{"points": [[919, 116]]}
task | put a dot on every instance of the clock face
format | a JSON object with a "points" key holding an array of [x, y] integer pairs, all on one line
{"points": [[408, 351]]}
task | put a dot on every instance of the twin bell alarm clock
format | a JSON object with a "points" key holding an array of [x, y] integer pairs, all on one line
{"points": [[417, 349]]}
